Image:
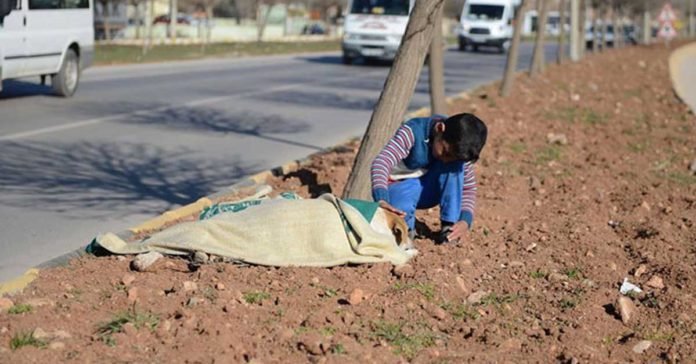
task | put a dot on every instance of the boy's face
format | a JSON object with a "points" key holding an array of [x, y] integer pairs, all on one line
{"points": [[442, 150]]}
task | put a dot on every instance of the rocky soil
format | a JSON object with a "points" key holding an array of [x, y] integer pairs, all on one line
{"points": [[585, 182]]}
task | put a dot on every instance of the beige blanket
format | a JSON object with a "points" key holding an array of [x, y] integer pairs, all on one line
{"points": [[276, 233]]}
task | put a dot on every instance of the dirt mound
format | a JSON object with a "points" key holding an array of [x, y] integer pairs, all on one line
{"points": [[585, 181]]}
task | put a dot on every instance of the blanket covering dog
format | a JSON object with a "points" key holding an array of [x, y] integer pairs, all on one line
{"points": [[320, 232]]}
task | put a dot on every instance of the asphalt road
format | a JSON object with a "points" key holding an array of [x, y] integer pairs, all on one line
{"points": [[138, 140]]}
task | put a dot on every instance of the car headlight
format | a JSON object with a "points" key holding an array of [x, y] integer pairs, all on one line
{"points": [[351, 36]]}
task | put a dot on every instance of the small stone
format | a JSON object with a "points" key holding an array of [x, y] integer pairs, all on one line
{"points": [[589, 283], [537, 203], [403, 271], [557, 277], [39, 302], [193, 301], [356, 296], [575, 97], [692, 167], [40, 334], [462, 285], [645, 205], [559, 139], [534, 183], [613, 266], [129, 329], [516, 264], [642, 346], [436, 312], [120, 258], [642, 64], [286, 334], [61, 334], [5, 304], [514, 345], [56, 345], [626, 309], [315, 280], [127, 279], [476, 297], [163, 328], [655, 282], [220, 286], [132, 294], [190, 286], [531, 247], [143, 262], [200, 257], [640, 270], [312, 343]]}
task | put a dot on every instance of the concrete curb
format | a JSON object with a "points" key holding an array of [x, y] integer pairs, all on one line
{"points": [[17, 284], [684, 83]]}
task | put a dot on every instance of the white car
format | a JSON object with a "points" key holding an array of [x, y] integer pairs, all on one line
{"points": [[487, 23], [46, 38]]}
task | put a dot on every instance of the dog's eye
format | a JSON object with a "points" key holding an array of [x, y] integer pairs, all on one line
{"points": [[397, 234]]}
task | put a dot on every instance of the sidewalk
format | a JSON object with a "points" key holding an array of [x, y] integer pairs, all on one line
{"points": [[682, 69]]}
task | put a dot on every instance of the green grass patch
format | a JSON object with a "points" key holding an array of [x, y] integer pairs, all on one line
{"points": [[19, 309], [498, 301], [567, 304], [518, 147], [25, 339], [573, 273], [572, 114], [638, 147], [119, 54], [538, 274], [681, 178], [115, 325], [338, 349], [256, 297], [658, 335], [461, 311], [425, 289], [547, 154], [405, 343]]}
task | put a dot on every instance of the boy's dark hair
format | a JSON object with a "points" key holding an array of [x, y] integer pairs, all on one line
{"points": [[466, 134]]}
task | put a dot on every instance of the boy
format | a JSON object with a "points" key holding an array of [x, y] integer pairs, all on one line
{"points": [[428, 162]]}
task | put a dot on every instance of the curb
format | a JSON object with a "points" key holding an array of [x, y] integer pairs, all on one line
{"points": [[685, 90], [17, 284]]}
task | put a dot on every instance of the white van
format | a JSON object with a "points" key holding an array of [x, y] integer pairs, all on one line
{"points": [[487, 23], [46, 38], [373, 28]]}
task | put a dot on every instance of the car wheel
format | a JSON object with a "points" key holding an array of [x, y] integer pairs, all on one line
{"points": [[474, 48], [462, 46], [65, 81], [346, 59], [505, 46]]}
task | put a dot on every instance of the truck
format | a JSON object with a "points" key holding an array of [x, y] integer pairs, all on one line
{"points": [[487, 23], [46, 38], [373, 29]]}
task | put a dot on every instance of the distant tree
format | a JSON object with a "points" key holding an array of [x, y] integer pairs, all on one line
{"points": [[396, 95], [436, 66], [511, 65], [562, 5], [538, 61]]}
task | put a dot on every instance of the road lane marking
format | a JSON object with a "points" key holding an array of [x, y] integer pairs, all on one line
{"points": [[207, 101]]}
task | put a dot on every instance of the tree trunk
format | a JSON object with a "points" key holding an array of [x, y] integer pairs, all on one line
{"points": [[436, 70], [582, 45], [396, 95], [603, 44], [173, 17], [105, 16], [595, 30], [617, 26], [511, 65], [147, 19], [209, 23], [646, 24], [575, 30], [561, 31], [261, 21], [692, 19], [137, 20], [538, 60]]}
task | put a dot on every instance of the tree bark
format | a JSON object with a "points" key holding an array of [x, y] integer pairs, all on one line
{"points": [[138, 19], [582, 44], [396, 95], [603, 45], [261, 21], [538, 60], [595, 30], [436, 71], [511, 65], [147, 19], [173, 17], [561, 31], [105, 22], [574, 30], [646, 24], [692, 19]]}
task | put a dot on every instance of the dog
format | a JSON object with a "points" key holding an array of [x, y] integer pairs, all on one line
{"points": [[387, 222]]}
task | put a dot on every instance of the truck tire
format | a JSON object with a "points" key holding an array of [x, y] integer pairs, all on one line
{"points": [[346, 59], [66, 80]]}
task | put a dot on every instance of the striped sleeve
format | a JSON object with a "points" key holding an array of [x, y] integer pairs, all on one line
{"points": [[468, 194], [398, 148]]}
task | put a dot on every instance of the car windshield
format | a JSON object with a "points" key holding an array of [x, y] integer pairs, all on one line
{"points": [[485, 12], [380, 7]]}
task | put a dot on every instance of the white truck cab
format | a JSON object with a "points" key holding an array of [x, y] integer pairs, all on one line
{"points": [[373, 28], [46, 38], [487, 23]]}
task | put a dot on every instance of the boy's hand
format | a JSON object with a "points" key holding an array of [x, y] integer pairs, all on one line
{"points": [[459, 230], [385, 205]]}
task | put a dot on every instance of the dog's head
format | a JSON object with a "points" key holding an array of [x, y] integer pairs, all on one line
{"points": [[387, 222]]}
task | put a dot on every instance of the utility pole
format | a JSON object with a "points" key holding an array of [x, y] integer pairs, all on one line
{"points": [[574, 30]]}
